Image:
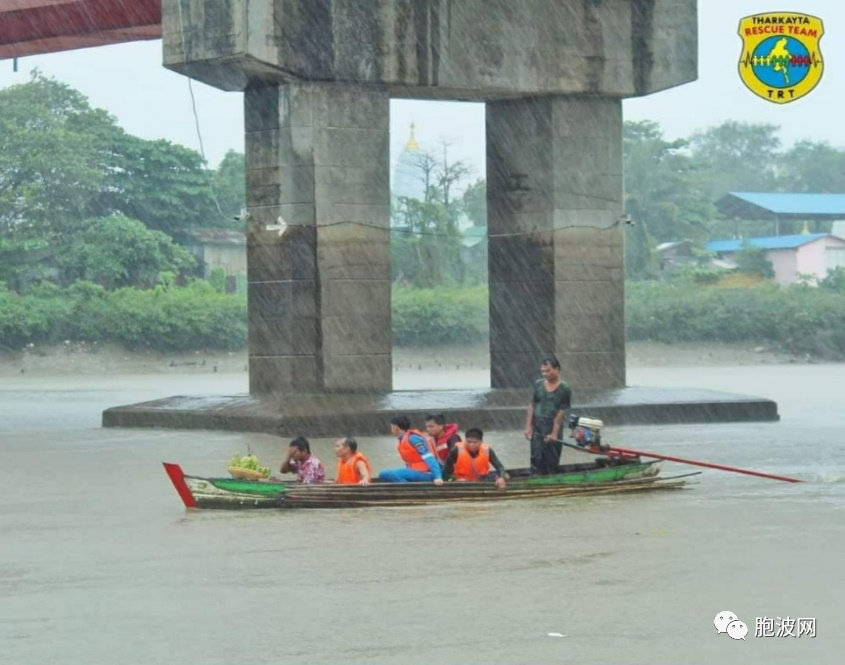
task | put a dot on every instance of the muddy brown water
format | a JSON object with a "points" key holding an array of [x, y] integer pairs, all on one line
{"points": [[101, 565]]}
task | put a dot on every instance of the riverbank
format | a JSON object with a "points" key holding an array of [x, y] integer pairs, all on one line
{"points": [[94, 359]]}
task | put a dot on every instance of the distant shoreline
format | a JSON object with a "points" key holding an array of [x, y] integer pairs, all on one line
{"points": [[82, 359]]}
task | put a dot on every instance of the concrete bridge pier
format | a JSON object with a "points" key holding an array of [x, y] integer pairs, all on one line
{"points": [[317, 77], [556, 264], [317, 158]]}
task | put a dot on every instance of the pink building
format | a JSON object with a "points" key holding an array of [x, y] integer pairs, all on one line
{"points": [[791, 256]]}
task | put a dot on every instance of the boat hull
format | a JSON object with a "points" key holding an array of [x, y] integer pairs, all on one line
{"points": [[231, 493]]}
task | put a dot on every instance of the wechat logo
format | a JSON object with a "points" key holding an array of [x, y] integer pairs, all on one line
{"points": [[727, 622]]}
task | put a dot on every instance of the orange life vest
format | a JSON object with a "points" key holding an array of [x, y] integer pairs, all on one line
{"points": [[347, 472], [441, 443], [472, 468], [408, 452]]}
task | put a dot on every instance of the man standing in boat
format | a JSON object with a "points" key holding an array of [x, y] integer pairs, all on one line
{"points": [[417, 451], [546, 415], [445, 435], [308, 469]]}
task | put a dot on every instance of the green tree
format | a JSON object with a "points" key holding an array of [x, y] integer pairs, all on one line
{"points": [[162, 184], [62, 162], [217, 279], [639, 258], [812, 167], [426, 251], [752, 260], [474, 202], [117, 251], [53, 152], [230, 183], [740, 157], [663, 189], [834, 280], [449, 175]]}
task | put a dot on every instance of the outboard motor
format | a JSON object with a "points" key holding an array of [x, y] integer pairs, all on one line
{"points": [[586, 431]]}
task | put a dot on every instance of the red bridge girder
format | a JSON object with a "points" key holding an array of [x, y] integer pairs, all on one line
{"points": [[29, 27]]}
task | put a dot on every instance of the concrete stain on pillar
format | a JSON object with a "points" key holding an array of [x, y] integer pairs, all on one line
{"points": [[304, 31], [595, 38], [358, 40], [218, 33], [320, 359], [421, 22], [435, 8], [642, 37], [404, 13], [422, 31]]}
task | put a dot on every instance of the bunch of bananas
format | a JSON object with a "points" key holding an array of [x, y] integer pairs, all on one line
{"points": [[249, 462]]}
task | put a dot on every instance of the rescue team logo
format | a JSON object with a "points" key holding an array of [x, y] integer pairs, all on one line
{"points": [[781, 60]]}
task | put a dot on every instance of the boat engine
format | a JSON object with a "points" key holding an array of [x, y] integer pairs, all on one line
{"points": [[586, 431]]}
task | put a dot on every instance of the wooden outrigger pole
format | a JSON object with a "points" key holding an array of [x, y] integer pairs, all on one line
{"points": [[628, 452]]}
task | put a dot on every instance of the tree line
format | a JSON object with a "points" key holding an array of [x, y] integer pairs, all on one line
{"points": [[100, 208], [80, 198]]}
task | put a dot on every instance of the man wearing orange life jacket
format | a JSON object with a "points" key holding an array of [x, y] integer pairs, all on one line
{"points": [[352, 467], [471, 460], [417, 452], [445, 435]]}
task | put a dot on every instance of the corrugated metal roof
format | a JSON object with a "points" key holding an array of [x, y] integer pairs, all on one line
{"points": [[772, 242], [766, 205]]}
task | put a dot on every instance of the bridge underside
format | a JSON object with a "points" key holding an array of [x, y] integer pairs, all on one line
{"points": [[31, 27]]}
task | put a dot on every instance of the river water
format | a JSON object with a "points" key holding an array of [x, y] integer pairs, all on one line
{"points": [[101, 565]]}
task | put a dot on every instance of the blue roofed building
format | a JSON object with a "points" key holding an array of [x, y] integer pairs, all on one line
{"points": [[785, 205], [786, 210], [791, 256]]}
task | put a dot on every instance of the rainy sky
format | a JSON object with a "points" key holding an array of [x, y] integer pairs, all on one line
{"points": [[150, 101]]}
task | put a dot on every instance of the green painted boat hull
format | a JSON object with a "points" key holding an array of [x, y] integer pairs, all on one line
{"points": [[232, 493]]}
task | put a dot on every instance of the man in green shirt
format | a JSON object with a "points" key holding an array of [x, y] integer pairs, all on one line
{"points": [[546, 415]]}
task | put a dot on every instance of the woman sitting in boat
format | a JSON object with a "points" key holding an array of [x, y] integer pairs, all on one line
{"points": [[417, 451], [471, 460], [445, 435], [352, 467], [308, 469]]}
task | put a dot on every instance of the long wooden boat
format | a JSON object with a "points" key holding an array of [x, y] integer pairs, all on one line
{"points": [[603, 476]]}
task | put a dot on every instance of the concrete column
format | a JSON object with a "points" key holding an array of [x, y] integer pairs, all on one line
{"points": [[317, 155], [554, 179]]}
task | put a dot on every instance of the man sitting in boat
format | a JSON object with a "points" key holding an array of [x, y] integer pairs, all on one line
{"points": [[470, 460], [417, 451], [445, 435], [308, 469], [352, 467]]}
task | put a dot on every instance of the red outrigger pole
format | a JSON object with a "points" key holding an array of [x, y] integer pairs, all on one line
{"points": [[628, 452]]}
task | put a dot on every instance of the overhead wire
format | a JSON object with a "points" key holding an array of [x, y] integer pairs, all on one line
{"points": [[186, 48], [514, 234], [391, 229]]}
